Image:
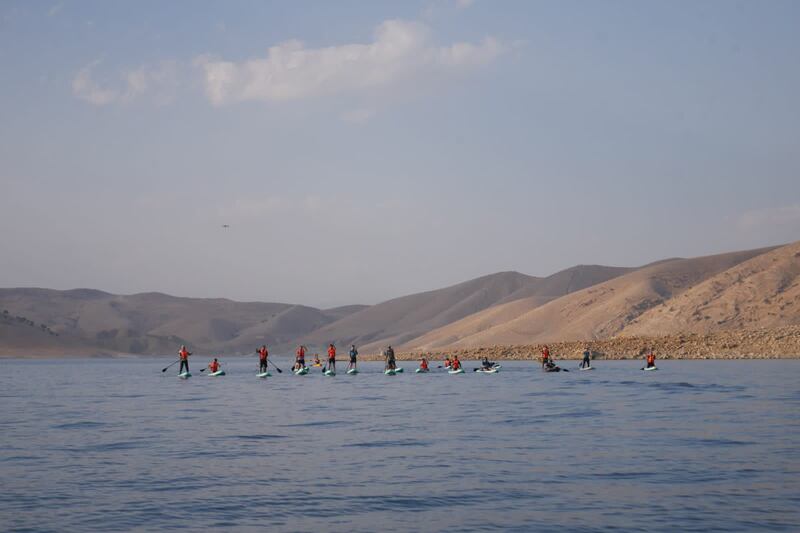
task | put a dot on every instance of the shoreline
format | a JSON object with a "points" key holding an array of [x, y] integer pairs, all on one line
{"points": [[777, 343]]}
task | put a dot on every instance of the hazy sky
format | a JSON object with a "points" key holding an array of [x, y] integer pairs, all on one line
{"points": [[365, 150]]}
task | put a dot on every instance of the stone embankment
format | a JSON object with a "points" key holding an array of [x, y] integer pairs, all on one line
{"points": [[779, 343]]}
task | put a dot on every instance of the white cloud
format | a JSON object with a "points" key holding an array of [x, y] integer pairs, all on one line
{"points": [[160, 81], [54, 10], [290, 71], [788, 215], [358, 116], [256, 207]]}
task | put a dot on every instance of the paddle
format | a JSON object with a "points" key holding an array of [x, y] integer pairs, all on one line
{"points": [[276, 367], [165, 368]]}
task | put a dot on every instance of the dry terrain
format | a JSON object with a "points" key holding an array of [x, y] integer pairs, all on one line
{"points": [[676, 304]]}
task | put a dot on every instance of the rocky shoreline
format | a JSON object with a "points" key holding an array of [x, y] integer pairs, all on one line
{"points": [[779, 343]]}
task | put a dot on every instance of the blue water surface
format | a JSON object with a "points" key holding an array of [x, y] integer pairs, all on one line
{"points": [[107, 445]]}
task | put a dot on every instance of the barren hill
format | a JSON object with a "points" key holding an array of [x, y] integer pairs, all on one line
{"points": [[734, 291], [99, 322], [763, 292], [599, 311], [399, 320]]}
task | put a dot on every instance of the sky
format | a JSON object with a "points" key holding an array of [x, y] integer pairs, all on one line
{"points": [[364, 150]]}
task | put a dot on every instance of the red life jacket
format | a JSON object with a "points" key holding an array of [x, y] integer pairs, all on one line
{"points": [[184, 354], [456, 364], [301, 353], [263, 353], [214, 366], [424, 364], [331, 352]]}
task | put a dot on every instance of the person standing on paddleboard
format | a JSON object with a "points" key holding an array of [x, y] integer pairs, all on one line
{"points": [[545, 356], [388, 355], [587, 358], [184, 354], [332, 357], [353, 357], [651, 360], [300, 357], [263, 354]]}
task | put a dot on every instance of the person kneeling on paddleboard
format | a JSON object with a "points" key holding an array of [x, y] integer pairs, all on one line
{"points": [[213, 366], [184, 356], [353, 357], [487, 365], [423, 364], [300, 357], [456, 365], [317, 362], [447, 361], [651, 360], [587, 358], [263, 354], [332, 357]]}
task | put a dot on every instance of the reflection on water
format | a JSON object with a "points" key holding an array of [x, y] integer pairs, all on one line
{"points": [[697, 446]]}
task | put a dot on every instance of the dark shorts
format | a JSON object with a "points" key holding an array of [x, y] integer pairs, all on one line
{"points": [[301, 361], [352, 358]]}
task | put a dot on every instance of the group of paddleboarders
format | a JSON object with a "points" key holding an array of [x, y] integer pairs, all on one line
{"points": [[454, 364]]}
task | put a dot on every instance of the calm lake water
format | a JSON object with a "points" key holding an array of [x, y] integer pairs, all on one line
{"points": [[117, 445]]}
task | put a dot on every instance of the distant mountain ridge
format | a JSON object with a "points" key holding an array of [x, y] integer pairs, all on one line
{"points": [[748, 289]]}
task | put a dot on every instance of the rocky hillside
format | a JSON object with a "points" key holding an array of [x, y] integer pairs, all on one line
{"points": [[749, 290]]}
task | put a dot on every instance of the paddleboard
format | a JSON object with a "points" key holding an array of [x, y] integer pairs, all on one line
{"points": [[650, 369], [399, 370], [329, 373], [422, 370], [487, 371], [353, 371], [302, 372], [185, 375], [263, 375], [389, 372], [459, 371], [217, 373], [587, 368], [498, 367]]}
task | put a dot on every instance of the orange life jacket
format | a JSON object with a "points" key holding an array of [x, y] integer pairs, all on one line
{"points": [[213, 366], [184, 354], [263, 353]]}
